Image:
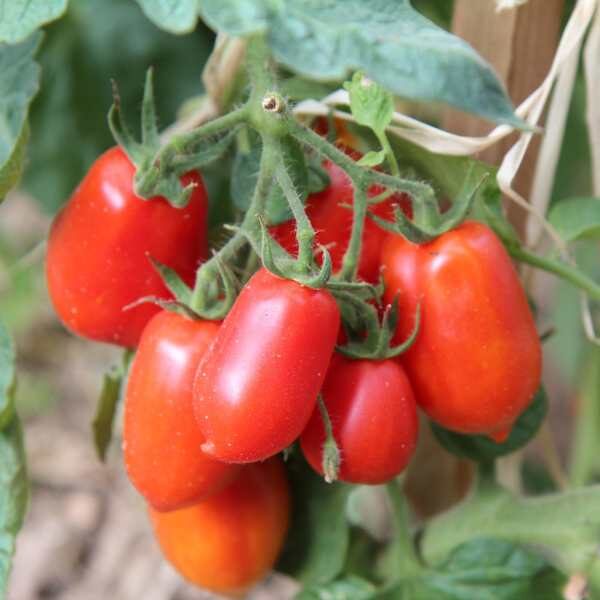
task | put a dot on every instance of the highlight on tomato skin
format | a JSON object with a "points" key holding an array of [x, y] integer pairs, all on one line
{"points": [[161, 439], [476, 362], [99, 247], [374, 419], [256, 389], [230, 541]]}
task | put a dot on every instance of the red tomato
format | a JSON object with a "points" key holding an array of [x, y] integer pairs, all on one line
{"points": [[476, 362], [99, 246], [161, 439], [333, 222], [374, 420], [256, 388], [344, 137], [230, 541]]}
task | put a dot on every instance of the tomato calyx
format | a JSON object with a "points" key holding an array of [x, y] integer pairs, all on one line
{"points": [[332, 459], [429, 222], [371, 337], [159, 168], [210, 302]]}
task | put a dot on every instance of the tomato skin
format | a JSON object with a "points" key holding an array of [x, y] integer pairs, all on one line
{"points": [[332, 222], [98, 249], [374, 420], [230, 541], [476, 362], [256, 388], [161, 439]]}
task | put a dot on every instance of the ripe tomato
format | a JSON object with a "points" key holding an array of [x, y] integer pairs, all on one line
{"points": [[257, 386], [230, 541], [99, 245], [161, 439], [374, 420], [331, 216], [476, 362], [343, 135]]}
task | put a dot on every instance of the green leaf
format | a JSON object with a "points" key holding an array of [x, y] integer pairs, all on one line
{"points": [[350, 588], [14, 488], [387, 39], [14, 493], [482, 448], [20, 18], [563, 527], [7, 376], [174, 16], [485, 569], [244, 176], [318, 540], [371, 105], [372, 159], [113, 385], [576, 218], [98, 40], [19, 81]]}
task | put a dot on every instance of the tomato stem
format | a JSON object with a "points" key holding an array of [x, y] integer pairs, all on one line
{"points": [[202, 298], [408, 561], [331, 453], [559, 268], [305, 234]]}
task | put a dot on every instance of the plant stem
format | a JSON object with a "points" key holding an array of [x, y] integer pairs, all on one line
{"points": [[182, 143], [331, 452], [305, 234], [351, 256], [249, 228], [559, 268], [357, 173], [389, 154], [408, 562]]}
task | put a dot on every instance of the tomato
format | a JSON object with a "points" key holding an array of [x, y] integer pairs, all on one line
{"points": [[374, 420], [256, 388], [333, 222], [476, 362], [343, 135], [161, 439], [99, 245], [230, 541]]}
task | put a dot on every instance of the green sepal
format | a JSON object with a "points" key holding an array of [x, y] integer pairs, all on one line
{"points": [[428, 223], [377, 344], [162, 177]]}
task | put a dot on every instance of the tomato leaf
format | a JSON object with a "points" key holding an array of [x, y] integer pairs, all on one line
{"points": [[244, 176], [372, 105], [563, 527], [319, 535], [113, 385], [387, 39], [349, 588], [372, 159], [96, 41], [20, 18], [482, 448], [19, 82], [14, 488], [576, 218], [486, 569], [174, 16]]}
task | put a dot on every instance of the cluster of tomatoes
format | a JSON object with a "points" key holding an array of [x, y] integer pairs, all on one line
{"points": [[209, 405]]}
